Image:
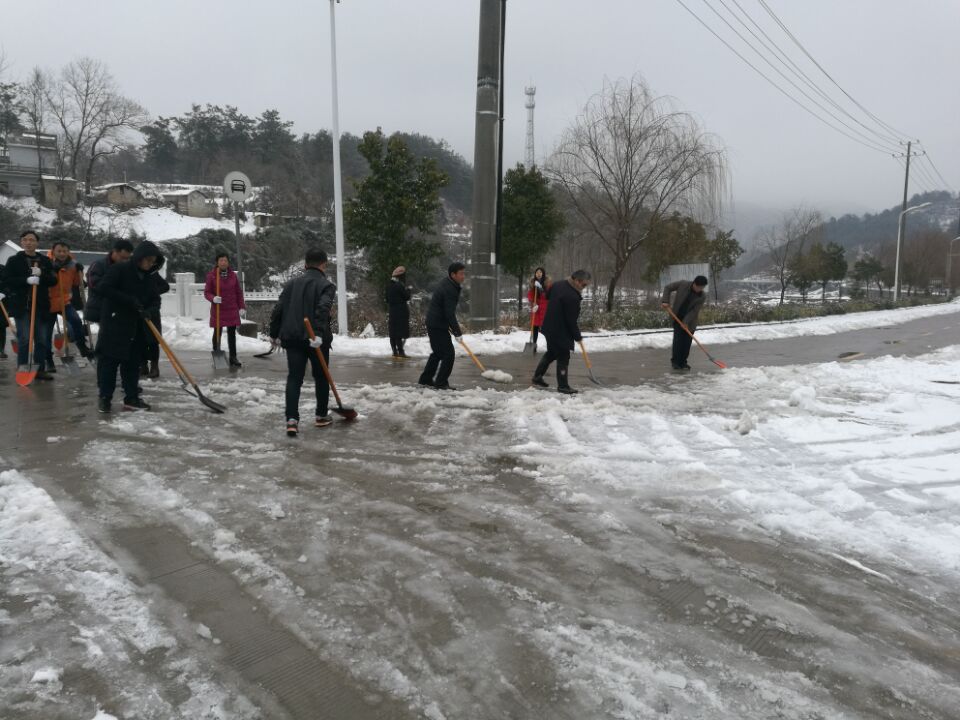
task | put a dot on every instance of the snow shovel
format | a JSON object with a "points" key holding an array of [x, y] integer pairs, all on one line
{"points": [[346, 412], [586, 361], [219, 358], [494, 375], [28, 375], [88, 333], [710, 357], [58, 336], [181, 371], [268, 353], [528, 345], [13, 330]]}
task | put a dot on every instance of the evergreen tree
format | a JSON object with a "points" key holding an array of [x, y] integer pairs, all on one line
{"points": [[395, 208], [722, 252], [869, 269], [160, 152], [9, 112], [531, 222], [673, 240]]}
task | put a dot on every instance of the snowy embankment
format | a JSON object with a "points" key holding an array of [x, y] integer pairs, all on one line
{"points": [[187, 334]]}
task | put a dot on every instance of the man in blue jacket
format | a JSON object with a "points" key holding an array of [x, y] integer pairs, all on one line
{"points": [[441, 321]]}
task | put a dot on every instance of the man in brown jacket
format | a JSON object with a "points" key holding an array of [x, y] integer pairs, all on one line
{"points": [[688, 299]]}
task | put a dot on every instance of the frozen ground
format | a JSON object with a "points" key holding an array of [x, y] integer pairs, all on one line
{"points": [[766, 542]]}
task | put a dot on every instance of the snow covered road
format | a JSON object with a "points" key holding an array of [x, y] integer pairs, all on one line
{"points": [[763, 542]]}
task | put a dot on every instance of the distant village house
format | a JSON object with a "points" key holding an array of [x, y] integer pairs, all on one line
{"points": [[28, 165], [191, 202]]}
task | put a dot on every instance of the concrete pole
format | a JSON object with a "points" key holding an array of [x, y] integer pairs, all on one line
{"points": [[236, 224], [337, 186], [482, 271], [901, 228]]}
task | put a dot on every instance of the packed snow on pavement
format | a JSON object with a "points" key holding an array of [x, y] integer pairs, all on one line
{"points": [[765, 542]]}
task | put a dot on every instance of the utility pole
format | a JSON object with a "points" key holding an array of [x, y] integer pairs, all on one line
{"points": [[483, 279], [342, 326], [901, 231]]}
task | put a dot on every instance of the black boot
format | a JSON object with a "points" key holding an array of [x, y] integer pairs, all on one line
{"points": [[234, 362], [154, 370]]}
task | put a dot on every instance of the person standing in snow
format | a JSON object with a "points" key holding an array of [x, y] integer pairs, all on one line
{"points": [[231, 303], [126, 292], [398, 311], [537, 297], [61, 296], [309, 296], [688, 299], [121, 252], [152, 347], [25, 271], [561, 329], [441, 321]]}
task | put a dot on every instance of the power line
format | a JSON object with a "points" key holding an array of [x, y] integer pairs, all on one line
{"points": [[796, 42], [788, 95], [947, 185], [800, 89], [916, 178], [778, 52]]}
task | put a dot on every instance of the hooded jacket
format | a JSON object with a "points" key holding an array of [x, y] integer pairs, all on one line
{"points": [[128, 294]]}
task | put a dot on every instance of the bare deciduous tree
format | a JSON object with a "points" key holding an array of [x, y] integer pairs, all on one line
{"points": [[630, 158], [91, 113], [786, 242], [33, 104]]}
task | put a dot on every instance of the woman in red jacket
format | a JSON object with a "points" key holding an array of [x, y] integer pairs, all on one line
{"points": [[230, 300], [537, 297]]}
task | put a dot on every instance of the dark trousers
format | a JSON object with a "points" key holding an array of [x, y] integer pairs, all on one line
{"points": [[396, 344], [129, 376], [535, 335], [297, 358], [3, 333], [440, 363], [681, 346], [562, 356], [231, 333], [40, 350]]}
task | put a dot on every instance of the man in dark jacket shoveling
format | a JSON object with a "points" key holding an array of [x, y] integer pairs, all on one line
{"points": [[688, 299], [310, 296], [127, 292], [441, 321], [560, 328]]}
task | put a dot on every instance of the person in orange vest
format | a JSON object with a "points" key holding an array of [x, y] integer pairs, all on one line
{"points": [[61, 294]]}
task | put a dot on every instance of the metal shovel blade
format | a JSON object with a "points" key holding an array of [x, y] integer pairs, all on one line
{"points": [[70, 363], [220, 360], [26, 375]]}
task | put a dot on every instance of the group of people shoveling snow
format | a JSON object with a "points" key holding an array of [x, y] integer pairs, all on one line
{"points": [[125, 297]]}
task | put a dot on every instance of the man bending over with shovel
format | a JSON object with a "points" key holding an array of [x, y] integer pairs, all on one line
{"points": [[310, 296], [688, 299]]}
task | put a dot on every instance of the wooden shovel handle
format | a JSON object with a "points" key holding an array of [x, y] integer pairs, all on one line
{"points": [[323, 362]]}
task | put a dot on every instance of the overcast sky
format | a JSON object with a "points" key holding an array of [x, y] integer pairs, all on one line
{"points": [[412, 66]]}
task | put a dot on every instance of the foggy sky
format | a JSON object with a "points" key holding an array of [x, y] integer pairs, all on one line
{"points": [[412, 66]]}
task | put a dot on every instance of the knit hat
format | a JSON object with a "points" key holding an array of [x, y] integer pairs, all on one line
{"points": [[398, 271]]}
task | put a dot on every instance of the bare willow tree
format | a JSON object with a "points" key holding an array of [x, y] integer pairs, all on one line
{"points": [[785, 243], [631, 158], [33, 105], [91, 113]]}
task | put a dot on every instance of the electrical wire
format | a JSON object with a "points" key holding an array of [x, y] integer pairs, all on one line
{"points": [[775, 85], [947, 185], [803, 92]]}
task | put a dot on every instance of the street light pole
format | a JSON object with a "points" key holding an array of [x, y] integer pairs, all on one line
{"points": [[896, 269], [946, 275], [337, 189]]}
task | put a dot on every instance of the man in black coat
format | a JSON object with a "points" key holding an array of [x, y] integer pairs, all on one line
{"points": [[310, 296], [126, 293], [121, 252], [3, 320], [441, 321], [560, 328], [28, 274], [688, 299], [398, 311]]}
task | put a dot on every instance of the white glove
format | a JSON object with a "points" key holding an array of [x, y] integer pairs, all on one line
{"points": [[217, 299], [35, 270], [538, 285], [33, 280], [534, 308], [2, 296], [316, 342], [243, 313]]}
